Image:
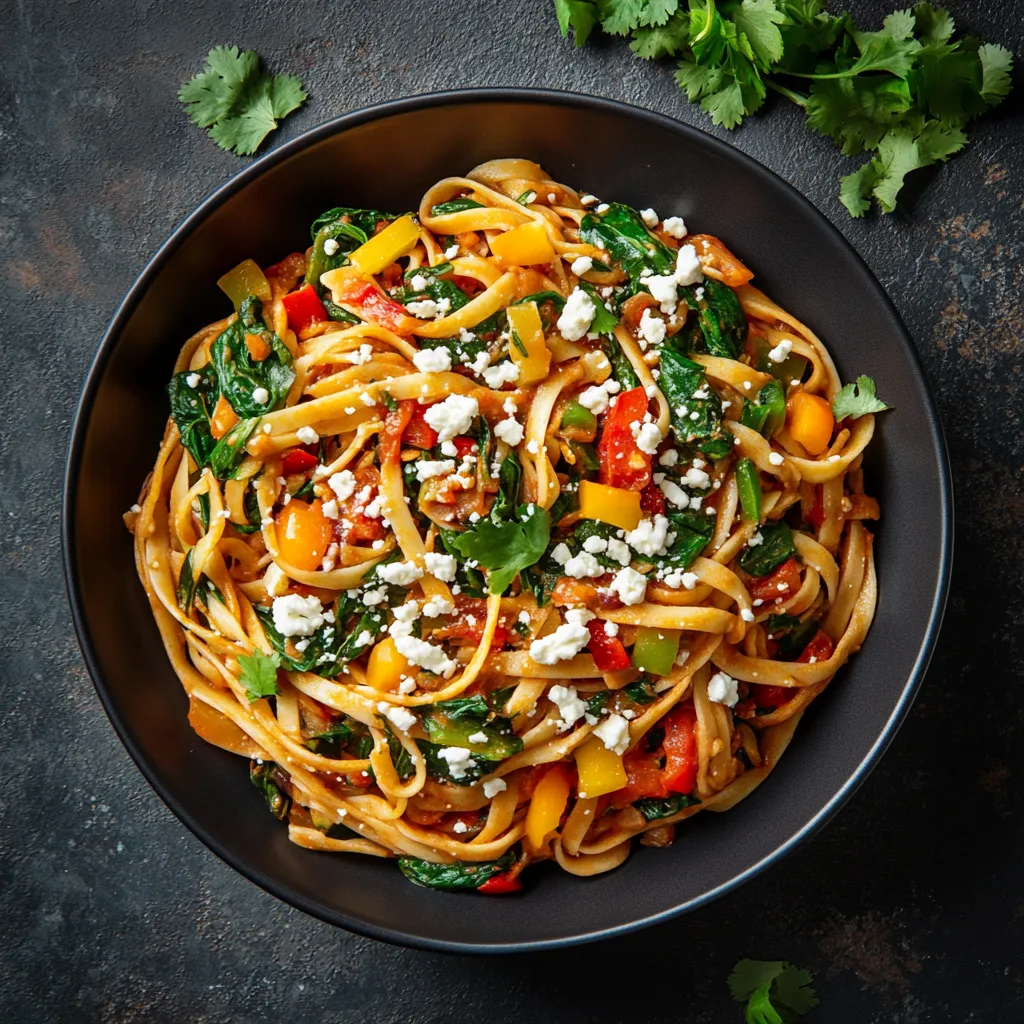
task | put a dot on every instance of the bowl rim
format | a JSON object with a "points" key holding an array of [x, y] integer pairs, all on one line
{"points": [[363, 115]]}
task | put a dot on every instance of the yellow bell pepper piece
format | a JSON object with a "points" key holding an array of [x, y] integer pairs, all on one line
{"points": [[386, 666], [810, 421], [535, 364], [384, 248], [548, 805], [600, 769], [242, 281], [613, 505], [524, 246]]}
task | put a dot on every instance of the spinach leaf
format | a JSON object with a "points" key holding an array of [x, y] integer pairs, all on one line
{"points": [[338, 313], [191, 409], [251, 505], [226, 458], [187, 583], [652, 808], [555, 298], [452, 723], [792, 634], [239, 375], [437, 289], [332, 741], [509, 476], [767, 412], [438, 767], [605, 321], [776, 546], [460, 875], [622, 233], [350, 228], [455, 206], [693, 419], [723, 323], [269, 780], [428, 272], [622, 368], [541, 579], [692, 532], [469, 578]]}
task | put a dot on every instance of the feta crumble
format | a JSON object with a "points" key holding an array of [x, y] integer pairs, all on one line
{"points": [[722, 689], [577, 315], [613, 732], [453, 416], [566, 642], [433, 360], [295, 615], [630, 585]]}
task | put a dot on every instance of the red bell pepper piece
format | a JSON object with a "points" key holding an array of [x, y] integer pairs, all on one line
{"points": [[820, 648], [390, 445], [621, 462], [771, 696], [783, 582], [609, 653], [816, 513], [418, 432], [498, 885], [369, 302], [680, 774], [465, 446], [652, 501], [644, 778], [297, 461], [304, 308]]}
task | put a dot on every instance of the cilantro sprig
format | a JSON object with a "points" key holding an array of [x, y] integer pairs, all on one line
{"points": [[857, 400], [259, 674], [775, 992], [238, 102], [902, 94]]}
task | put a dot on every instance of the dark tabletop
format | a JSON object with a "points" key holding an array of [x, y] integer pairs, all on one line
{"points": [[908, 907]]}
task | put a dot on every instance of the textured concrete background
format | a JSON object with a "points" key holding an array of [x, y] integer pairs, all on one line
{"points": [[909, 907]]}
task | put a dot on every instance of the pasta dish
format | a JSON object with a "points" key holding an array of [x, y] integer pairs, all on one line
{"points": [[505, 531]]}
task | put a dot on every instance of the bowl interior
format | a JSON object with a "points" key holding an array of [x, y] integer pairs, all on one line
{"points": [[386, 159]]}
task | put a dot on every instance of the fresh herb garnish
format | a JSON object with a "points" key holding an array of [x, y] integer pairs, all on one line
{"points": [[902, 94], [775, 992], [259, 674], [238, 102], [857, 400]]}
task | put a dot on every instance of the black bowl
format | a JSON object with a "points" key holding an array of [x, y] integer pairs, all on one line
{"points": [[385, 157]]}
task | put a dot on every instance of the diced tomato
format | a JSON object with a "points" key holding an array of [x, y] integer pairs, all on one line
{"points": [[621, 462], [418, 432], [784, 582], [680, 749], [465, 446], [362, 529], [369, 302], [390, 445], [816, 513], [498, 885], [304, 308], [820, 648], [644, 778], [652, 501], [771, 696], [609, 653], [297, 460]]}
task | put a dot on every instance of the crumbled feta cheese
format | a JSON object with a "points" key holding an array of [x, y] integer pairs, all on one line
{"points": [[602, 208], [577, 315], [630, 585], [331, 246], [652, 329], [649, 217], [425, 309], [595, 545], [746, 615], [582, 265], [375, 596], [688, 268], [579, 616], [492, 787], [566, 642], [452, 251], [426, 655], [460, 760], [570, 707], [448, 448], [433, 360], [503, 373], [781, 351], [509, 430], [619, 551], [588, 200], [648, 437], [343, 484], [722, 689], [261, 396], [295, 615], [755, 540], [695, 477], [438, 606], [613, 732], [776, 459], [674, 493], [405, 615], [561, 553], [595, 398], [418, 283], [406, 685], [400, 573], [477, 737], [427, 470], [674, 226], [367, 399], [650, 536], [453, 416], [663, 290], [401, 718], [307, 435], [441, 567], [275, 580], [583, 565], [532, 447]]}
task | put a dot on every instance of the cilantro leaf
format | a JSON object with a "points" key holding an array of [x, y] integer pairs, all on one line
{"points": [[857, 400], [996, 64], [259, 674], [855, 189], [759, 21], [506, 547], [749, 975], [238, 102], [661, 40], [932, 24], [622, 16], [605, 321], [580, 15], [775, 991], [792, 987]]}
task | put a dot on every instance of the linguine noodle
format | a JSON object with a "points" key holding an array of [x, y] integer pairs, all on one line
{"points": [[504, 532]]}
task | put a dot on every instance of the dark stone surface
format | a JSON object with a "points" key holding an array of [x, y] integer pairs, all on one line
{"points": [[908, 907]]}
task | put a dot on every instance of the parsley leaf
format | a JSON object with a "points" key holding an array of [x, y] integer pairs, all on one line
{"points": [[857, 400], [506, 547], [238, 102], [775, 992], [259, 674]]}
